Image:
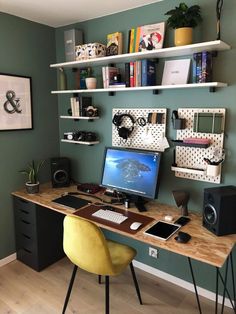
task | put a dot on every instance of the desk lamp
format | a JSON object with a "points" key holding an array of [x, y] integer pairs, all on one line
{"points": [[181, 200]]}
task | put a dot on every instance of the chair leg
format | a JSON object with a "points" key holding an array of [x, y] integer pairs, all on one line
{"points": [[99, 279], [69, 288], [107, 294], [136, 283]]}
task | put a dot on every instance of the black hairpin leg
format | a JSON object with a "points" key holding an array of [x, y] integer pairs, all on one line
{"points": [[233, 281], [69, 288], [195, 287], [217, 289], [135, 283], [225, 284], [107, 295]]}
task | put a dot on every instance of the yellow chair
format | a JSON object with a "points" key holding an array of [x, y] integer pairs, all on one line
{"points": [[87, 248]]}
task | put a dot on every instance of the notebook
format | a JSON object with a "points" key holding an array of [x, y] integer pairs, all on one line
{"points": [[71, 201]]}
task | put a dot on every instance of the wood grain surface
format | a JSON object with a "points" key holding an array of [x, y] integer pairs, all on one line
{"points": [[203, 246]]}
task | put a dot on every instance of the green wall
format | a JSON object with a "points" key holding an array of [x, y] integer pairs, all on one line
{"points": [[87, 161], [27, 49]]}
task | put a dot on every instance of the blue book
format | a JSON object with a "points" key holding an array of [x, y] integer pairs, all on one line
{"points": [[148, 72], [206, 67]]}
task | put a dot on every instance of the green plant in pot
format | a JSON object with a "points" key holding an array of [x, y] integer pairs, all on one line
{"points": [[183, 19], [32, 172]]}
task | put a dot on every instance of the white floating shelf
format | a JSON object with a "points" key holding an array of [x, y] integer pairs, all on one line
{"points": [[142, 88], [79, 118], [188, 170], [80, 142], [216, 45]]}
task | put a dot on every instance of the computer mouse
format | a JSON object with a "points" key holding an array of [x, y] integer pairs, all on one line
{"points": [[183, 237], [135, 225]]}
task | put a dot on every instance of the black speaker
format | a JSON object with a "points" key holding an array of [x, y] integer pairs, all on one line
{"points": [[60, 172], [219, 210]]}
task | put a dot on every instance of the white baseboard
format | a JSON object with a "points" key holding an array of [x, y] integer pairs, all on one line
{"points": [[180, 282], [7, 259]]}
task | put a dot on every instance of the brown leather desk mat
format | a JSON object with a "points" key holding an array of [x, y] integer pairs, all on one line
{"points": [[87, 212]]}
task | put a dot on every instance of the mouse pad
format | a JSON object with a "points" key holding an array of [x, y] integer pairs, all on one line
{"points": [[71, 201], [124, 226]]}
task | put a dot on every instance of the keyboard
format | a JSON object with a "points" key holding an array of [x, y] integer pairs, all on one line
{"points": [[109, 215]]}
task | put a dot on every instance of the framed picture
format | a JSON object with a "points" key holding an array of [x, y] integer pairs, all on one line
{"points": [[176, 72], [15, 102]]}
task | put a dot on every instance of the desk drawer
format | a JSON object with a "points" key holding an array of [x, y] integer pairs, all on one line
{"points": [[25, 210], [25, 227], [26, 242], [28, 257]]}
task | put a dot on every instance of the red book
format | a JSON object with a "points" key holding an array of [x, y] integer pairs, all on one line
{"points": [[131, 78]]}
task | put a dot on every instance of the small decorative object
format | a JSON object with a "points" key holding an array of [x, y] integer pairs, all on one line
{"points": [[213, 170], [32, 171], [176, 72], [62, 79], [219, 5], [15, 102], [181, 200], [114, 44], [183, 19], [90, 51]]}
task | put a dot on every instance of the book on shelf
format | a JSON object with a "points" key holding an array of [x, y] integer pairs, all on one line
{"points": [[131, 40], [114, 44], [148, 72], [75, 106], [127, 74], [150, 37], [131, 76], [117, 85], [202, 67], [109, 75], [176, 72]]}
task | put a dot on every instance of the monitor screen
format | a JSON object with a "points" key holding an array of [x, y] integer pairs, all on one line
{"points": [[131, 171]]}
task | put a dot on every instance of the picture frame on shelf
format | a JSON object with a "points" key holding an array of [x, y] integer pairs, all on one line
{"points": [[176, 72], [15, 102]]}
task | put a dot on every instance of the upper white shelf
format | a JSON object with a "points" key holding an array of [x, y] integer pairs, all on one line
{"points": [[216, 45], [142, 88]]}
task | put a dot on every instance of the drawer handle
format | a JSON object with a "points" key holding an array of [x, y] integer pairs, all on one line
{"points": [[23, 201], [24, 211], [25, 222], [27, 237], [28, 251]]}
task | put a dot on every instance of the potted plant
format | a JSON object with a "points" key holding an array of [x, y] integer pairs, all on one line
{"points": [[183, 19], [91, 81], [32, 171]]}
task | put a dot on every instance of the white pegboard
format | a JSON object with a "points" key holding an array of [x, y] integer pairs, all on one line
{"points": [[136, 140], [191, 157]]}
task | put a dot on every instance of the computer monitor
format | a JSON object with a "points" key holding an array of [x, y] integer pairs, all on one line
{"points": [[133, 172]]}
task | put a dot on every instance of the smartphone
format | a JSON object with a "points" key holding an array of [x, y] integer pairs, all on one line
{"points": [[182, 220]]}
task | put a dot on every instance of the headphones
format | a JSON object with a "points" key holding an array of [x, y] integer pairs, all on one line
{"points": [[123, 132]]}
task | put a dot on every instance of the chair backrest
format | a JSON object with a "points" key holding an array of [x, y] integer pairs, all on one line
{"points": [[86, 246]]}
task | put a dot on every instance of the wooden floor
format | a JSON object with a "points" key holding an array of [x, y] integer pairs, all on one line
{"points": [[23, 290]]}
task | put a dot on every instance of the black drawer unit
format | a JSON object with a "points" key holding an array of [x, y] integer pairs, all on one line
{"points": [[39, 234]]}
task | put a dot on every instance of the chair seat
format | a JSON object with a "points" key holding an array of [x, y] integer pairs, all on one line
{"points": [[121, 255]]}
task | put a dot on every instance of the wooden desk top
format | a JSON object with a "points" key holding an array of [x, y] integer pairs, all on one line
{"points": [[203, 246]]}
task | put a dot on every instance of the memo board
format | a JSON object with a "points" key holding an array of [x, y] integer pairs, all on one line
{"points": [[157, 131], [188, 158]]}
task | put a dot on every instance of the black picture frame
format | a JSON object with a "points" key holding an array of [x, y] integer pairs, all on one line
{"points": [[16, 110]]}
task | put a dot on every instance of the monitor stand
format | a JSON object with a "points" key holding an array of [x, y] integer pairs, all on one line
{"points": [[139, 203]]}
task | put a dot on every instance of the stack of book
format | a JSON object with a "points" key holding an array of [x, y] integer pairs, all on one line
{"points": [[202, 67], [140, 73], [79, 104], [146, 37], [111, 77]]}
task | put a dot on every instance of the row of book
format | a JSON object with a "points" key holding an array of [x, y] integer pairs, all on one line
{"points": [[79, 105], [140, 73], [202, 67], [111, 77], [146, 37]]}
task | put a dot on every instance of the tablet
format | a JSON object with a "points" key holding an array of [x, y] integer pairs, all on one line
{"points": [[71, 202], [162, 230]]}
